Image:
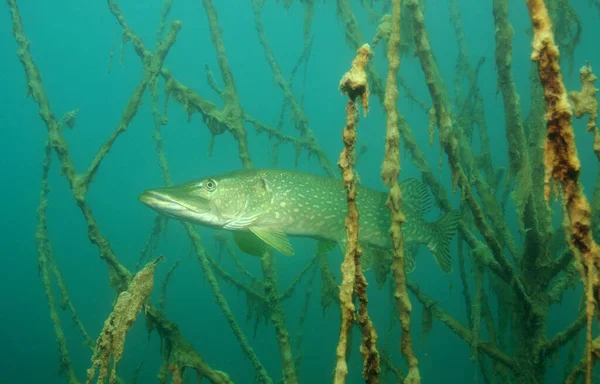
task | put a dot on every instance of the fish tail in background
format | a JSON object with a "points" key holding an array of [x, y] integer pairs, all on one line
{"points": [[410, 253], [366, 258], [442, 232]]}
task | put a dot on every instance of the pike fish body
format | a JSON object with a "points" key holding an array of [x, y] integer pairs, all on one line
{"points": [[268, 205]]}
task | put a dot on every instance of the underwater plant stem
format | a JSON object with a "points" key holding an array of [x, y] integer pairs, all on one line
{"points": [[354, 84], [119, 275], [278, 319], [151, 72], [477, 106], [534, 217], [451, 146], [163, 291], [231, 117], [354, 39], [289, 291], [348, 266], [463, 277], [489, 348], [353, 36], [44, 250], [582, 367], [518, 155], [250, 291], [304, 315], [565, 336], [232, 109], [210, 113], [390, 170], [261, 372], [298, 116], [159, 147], [111, 341], [164, 13], [562, 162]]}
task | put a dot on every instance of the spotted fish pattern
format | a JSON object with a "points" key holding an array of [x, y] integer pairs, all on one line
{"points": [[274, 204]]}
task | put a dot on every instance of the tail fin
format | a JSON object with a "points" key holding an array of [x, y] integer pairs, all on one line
{"points": [[439, 244]]}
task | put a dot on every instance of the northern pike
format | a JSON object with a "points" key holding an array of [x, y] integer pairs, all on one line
{"points": [[266, 206]]}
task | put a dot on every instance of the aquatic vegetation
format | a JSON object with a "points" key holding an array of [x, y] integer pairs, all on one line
{"points": [[516, 275], [354, 84], [111, 341], [390, 170]]}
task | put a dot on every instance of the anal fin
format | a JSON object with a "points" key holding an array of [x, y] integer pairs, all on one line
{"points": [[366, 259]]}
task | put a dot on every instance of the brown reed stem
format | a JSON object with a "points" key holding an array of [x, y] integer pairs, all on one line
{"points": [[353, 36], [354, 84], [111, 341], [562, 163], [390, 170]]}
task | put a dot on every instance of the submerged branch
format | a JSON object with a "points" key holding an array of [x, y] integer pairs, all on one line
{"points": [[120, 277], [463, 332], [562, 163], [390, 170], [565, 336], [354, 84], [451, 146]]}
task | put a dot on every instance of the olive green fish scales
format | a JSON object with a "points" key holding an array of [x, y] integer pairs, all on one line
{"points": [[274, 204]]}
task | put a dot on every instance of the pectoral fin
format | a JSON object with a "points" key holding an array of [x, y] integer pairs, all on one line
{"points": [[249, 243], [275, 238]]}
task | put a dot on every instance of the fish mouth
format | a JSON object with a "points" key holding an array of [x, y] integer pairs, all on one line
{"points": [[166, 203], [151, 198]]}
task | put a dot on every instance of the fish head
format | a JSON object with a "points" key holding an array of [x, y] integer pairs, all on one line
{"points": [[228, 201]]}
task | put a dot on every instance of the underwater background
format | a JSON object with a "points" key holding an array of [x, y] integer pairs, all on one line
{"points": [[84, 66]]}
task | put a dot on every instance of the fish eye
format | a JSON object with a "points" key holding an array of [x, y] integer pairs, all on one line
{"points": [[210, 185]]}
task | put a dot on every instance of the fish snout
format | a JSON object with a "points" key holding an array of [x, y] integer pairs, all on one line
{"points": [[150, 196]]}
